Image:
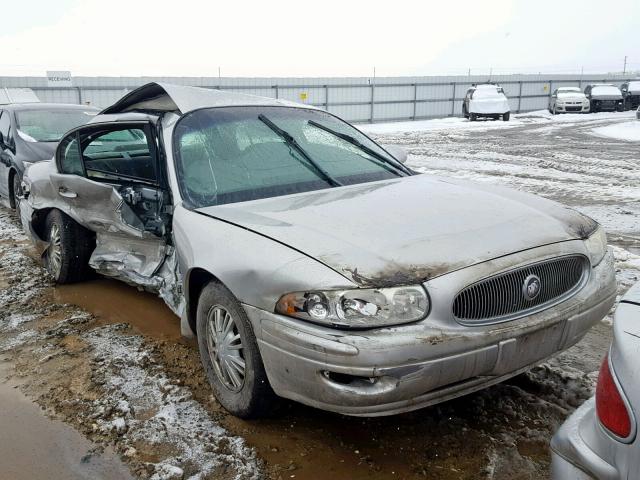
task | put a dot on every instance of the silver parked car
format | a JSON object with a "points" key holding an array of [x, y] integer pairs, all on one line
{"points": [[599, 441], [310, 262], [568, 99]]}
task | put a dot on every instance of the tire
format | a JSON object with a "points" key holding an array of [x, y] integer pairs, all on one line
{"points": [[70, 247], [620, 108], [16, 190], [473, 117], [249, 394], [594, 108], [506, 116]]}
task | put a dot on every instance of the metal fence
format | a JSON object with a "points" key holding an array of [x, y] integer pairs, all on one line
{"points": [[362, 99]]}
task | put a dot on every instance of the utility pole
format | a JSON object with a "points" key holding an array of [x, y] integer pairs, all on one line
{"points": [[624, 69]]}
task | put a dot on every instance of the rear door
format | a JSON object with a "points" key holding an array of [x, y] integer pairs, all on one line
{"points": [[110, 179]]}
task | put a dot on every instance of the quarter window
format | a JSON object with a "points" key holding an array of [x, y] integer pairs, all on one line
{"points": [[5, 125], [117, 154], [71, 161]]}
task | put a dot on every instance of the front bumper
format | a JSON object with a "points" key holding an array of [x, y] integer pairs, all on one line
{"points": [[397, 369], [567, 108], [571, 456]]}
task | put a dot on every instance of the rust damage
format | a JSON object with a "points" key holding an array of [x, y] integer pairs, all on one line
{"points": [[395, 275]]}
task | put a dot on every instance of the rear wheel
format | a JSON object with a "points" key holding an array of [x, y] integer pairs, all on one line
{"points": [[506, 116], [230, 355], [70, 247], [473, 117]]}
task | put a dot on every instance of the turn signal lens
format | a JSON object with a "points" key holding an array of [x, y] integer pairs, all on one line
{"points": [[611, 408]]}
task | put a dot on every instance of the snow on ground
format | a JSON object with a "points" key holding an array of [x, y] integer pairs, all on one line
{"points": [[629, 131], [542, 117], [137, 406]]}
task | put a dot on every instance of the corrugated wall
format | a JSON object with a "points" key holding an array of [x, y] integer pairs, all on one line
{"points": [[357, 99]]}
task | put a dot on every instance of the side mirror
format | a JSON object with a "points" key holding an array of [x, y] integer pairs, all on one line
{"points": [[399, 153]]}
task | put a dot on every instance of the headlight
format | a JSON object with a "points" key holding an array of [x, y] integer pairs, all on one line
{"points": [[597, 246], [360, 308]]}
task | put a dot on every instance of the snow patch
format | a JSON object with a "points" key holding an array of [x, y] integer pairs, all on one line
{"points": [[629, 131]]}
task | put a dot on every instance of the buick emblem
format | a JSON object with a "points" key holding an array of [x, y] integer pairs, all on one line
{"points": [[531, 287]]}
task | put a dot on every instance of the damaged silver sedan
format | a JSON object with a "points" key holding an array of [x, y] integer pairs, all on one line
{"points": [[310, 262]]}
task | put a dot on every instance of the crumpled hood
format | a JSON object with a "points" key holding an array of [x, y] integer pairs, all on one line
{"points": [[407, 230]]}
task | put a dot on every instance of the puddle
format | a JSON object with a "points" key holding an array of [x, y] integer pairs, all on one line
{"points": [[61, 452], [116, 302]]}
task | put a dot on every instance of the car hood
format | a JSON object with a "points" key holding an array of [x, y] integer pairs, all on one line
{"points": [[572, 96], [498, 104], [407, 230], [37, 151]]}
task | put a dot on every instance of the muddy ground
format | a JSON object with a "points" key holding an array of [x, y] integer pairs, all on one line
{"points": [[109, 361]]}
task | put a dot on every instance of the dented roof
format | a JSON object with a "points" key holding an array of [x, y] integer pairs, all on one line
{"points": [[166, 97]]}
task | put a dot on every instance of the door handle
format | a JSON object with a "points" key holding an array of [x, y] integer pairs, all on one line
{"points": [[66, 193]]}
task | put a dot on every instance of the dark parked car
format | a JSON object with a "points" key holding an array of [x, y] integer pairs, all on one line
{"points": [[631, 94], [604, 97], [29, 133]]}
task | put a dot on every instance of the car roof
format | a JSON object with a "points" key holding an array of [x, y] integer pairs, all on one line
{"points": [[180, 99], [47, 106]]}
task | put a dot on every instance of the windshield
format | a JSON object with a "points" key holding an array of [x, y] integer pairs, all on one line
{"points": [[235, 154], [49, 125]]}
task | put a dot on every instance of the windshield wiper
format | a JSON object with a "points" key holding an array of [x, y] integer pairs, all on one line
{"points": [[286, 136], [397, 168]]}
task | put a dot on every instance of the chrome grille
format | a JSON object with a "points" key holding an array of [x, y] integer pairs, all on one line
{"points": [[501, 297]]}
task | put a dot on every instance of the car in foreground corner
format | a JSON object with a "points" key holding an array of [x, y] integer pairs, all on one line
{"points": [[568, 100], [29, 133], [310, 262], [604, 98], [486, 100], [599, 440]]}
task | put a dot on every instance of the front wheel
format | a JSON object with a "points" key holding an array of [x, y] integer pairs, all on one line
{"points": [[230, 355], [70, 247], [506, 116], [17, 193], [473, 117]]}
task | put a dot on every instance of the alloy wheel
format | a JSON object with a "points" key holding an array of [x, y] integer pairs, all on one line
{"points": [[225, 348], [54, 252]]}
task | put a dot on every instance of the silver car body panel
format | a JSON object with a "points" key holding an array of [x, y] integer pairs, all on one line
{"points": [[442, 233], [582, 448]]}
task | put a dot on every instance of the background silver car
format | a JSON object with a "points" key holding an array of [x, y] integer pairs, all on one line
{"points": [[568, 100], [311, 263], [600, 439]]}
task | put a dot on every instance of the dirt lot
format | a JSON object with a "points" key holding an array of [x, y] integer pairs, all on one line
{"points": [[109, 361]]}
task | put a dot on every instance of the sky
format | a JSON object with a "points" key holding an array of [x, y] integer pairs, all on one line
{"points": [[298, 38]]}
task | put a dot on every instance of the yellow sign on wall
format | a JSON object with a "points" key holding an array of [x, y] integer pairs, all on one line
{"points": [[303, 96]]}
